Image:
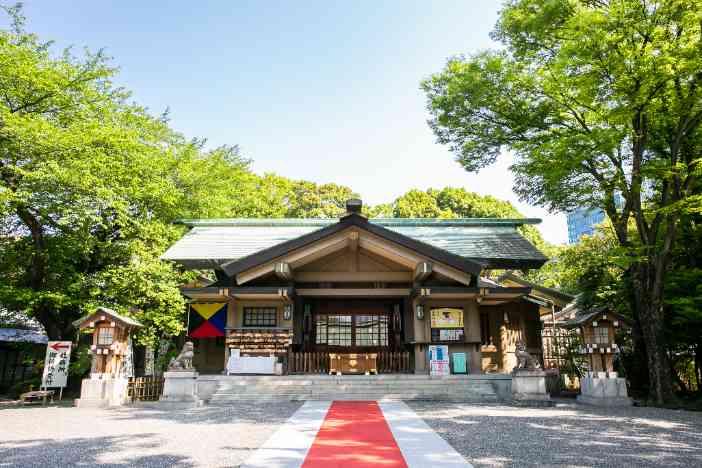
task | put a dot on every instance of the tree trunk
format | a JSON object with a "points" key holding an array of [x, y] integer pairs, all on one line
{"points": [[698, 367], [648, 303]]}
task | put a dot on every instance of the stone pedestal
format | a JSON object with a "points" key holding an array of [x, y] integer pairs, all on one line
{"points": [[103, 392], [180, 387], [529, 385], [603, 390]]}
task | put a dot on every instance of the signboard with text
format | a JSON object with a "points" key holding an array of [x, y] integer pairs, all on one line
{"points": [[446, 318], [58, 356], [439, 360]]}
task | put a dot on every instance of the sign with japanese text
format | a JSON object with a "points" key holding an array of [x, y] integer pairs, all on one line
{"points": [[446, 318], [439, 360], [58, 356]]}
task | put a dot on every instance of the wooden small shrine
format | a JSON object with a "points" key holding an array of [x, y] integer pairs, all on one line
{"points": [[111, 344]]}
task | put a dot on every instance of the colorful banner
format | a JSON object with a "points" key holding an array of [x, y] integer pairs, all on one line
{"points": [[207, 319], [446, 318]]}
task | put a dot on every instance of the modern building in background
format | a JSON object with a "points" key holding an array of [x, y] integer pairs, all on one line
{"points": [[582, 222]]}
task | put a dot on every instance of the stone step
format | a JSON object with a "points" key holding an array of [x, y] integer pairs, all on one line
{"points": [[361, 396], [232, 389]]}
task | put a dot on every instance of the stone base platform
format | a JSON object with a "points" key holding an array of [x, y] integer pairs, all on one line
{"points": [[102, 393], [180, 390], [529, 387], [604, 391]]}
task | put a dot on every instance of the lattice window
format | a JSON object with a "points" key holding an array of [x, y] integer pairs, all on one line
{"points": [[321, 335], [339, 330], [371, 330], [334, 330], [601, 335], [260, 316], [106, 336]]}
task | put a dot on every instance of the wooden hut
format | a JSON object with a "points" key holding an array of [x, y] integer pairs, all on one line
{"points": [[111, 346]]}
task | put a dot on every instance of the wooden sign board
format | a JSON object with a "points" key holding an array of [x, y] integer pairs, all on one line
{"points": [[58, 356]]}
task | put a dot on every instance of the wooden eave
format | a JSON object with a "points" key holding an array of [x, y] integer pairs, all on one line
{"points": [[104, 315], [487, 296]]}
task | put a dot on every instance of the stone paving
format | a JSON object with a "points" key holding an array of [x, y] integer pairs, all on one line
{"points": [[567, 435], [486, 435]]}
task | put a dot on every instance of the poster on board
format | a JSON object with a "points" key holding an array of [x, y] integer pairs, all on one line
{"points": [[446, 317], [439, 360]]}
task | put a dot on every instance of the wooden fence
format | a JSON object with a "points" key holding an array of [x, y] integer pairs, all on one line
{"points": [[317, 362], [308, 363], [394, 362], [145, 388]]}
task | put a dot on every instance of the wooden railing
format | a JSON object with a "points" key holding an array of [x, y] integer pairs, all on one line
{"points": [[308, 363], [394, 362], [317, 362], [145, 388]]}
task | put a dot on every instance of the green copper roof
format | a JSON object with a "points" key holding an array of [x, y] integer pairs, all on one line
{"points": [[496, 243], [386, 222]]}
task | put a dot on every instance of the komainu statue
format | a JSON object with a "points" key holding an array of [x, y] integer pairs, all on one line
{"points": [[184, 361], [524, 359]]}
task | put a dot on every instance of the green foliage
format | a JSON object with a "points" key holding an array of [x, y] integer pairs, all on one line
{"points": [[81, 360], [574, 362], [452, 202], [90, 185], [595, 99]]}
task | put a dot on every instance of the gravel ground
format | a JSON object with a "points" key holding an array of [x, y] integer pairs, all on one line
{"points": [[66, 436], [568, 435]]}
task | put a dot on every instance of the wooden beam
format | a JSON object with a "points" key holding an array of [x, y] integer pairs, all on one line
{"points": [[348, 277], [328, 292], [284, 271], [422, 271], [353, 240], [353, 247]]}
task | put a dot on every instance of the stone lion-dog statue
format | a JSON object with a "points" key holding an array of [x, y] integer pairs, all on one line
{"points": [[184, 361], [524, 359]]}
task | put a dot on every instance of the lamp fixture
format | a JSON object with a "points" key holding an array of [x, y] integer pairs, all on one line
{"points": [[287, 311], [420, 312]]}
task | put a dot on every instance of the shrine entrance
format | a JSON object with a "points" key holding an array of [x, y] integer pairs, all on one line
{"points": [[355, 335]]}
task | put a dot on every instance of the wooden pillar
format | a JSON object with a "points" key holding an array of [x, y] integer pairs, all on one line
{"points": [[504, 343]]}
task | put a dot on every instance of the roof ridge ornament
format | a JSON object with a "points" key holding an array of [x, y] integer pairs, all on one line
{"points": [[354, 207]]}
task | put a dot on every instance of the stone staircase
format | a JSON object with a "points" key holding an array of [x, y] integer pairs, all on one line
{"points": [[467, 388]]}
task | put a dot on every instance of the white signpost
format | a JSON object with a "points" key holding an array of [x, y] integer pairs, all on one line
{"points": [[58, 356]]}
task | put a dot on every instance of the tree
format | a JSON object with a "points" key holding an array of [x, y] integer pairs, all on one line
{"points": [[90, 185], [595, 99]]}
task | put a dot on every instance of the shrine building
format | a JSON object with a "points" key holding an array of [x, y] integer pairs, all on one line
{"points": [[357, 295]]}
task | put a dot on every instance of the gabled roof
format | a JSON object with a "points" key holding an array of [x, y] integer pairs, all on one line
{"points": [[266, 255], [584, 316], [83, 321], [491, 243]]}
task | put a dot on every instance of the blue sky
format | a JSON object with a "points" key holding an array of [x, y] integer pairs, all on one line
{"points": [[326, 91]]}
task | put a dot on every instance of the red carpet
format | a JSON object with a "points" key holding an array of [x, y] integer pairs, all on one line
{"points": [[354, 434]]}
